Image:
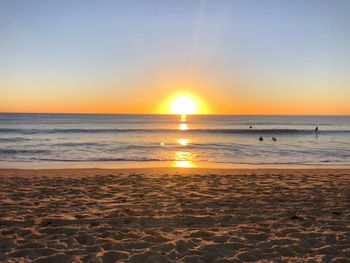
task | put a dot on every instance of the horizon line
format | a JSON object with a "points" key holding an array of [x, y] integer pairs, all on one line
{"points": [[171, 114]]}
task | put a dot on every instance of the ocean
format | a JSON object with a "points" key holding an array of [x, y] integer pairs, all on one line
{"points": [[112, 141]]}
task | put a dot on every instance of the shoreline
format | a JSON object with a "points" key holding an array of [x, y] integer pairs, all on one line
{"points": [[53, 172], [167, 165]]}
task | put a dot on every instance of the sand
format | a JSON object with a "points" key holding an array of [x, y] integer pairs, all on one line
{"points": [[175, 215]]}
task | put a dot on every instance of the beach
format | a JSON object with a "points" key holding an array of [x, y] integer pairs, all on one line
{"points": [[174, 131], [175, 215]]}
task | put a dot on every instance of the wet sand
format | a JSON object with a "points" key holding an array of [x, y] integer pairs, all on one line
{"points": [[175, 215]]}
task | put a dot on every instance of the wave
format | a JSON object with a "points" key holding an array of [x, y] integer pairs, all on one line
{"points": [[79, 144], [101, 160], [223, 131], [13, 139], [160, 160], [18, 151]]}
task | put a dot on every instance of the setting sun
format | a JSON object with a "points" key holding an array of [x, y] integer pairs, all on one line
{"points": [[183, 103]]}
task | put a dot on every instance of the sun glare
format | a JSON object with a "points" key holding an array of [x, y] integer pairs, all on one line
{"points": [[183, 127], [183, 105], [183, 141], [183, 159]]}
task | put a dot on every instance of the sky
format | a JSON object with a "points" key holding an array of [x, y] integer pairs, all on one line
{"points": [[238, 56]]}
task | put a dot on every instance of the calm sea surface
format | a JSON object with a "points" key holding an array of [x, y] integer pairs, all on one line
{"points": [[87, 140]]}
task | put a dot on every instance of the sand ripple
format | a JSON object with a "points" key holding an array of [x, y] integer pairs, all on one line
{"points": [[174, 216]]}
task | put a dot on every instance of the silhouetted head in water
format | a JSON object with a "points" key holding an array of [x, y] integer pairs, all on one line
{"points": [[274, 139], [261, 138], [250, 127], [316, 129]]}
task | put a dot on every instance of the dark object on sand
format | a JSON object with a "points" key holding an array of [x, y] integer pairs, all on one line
{"points": [[261, 138], [295, 217], [336, 213], [316, 129], [274, 139]]}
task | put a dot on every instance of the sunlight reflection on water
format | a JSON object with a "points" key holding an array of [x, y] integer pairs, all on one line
{"points": [[183, 126], [183, 158], [183, 164], [183, 141]]}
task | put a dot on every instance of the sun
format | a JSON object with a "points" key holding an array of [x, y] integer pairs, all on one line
{"points": [[183, 105]]}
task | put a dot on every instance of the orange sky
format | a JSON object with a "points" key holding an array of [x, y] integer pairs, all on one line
{"points": [[152, 103], [157, 95]]}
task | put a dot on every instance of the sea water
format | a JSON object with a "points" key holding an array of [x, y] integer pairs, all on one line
{"points": [[95, 140]]}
